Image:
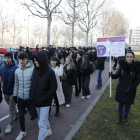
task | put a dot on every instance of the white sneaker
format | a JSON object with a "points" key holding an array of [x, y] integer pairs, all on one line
{"points": [[68, 105], [48, 133], [88, 96], [8, 128], [1, 136], [21, 135], [84, 97]]}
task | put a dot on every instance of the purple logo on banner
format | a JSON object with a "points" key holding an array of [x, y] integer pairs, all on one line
{"points": [[101, 50]]}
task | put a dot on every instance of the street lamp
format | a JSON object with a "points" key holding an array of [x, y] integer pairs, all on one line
{"points": [[28, 29]]}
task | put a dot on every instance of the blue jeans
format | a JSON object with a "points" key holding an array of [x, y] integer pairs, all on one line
{"points": [[85, 81], [126, 109], [108, 58], [99, 78], [16, 61]]}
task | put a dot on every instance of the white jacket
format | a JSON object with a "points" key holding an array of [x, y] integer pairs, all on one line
{"points": [[59, 91], [23, 81]]}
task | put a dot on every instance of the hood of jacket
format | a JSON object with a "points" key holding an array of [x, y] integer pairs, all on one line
{"points": [[42, 59], [126, 67], [28, 65]]}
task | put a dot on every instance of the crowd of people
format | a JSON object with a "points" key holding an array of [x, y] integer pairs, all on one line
{"points": [[37, 80]]}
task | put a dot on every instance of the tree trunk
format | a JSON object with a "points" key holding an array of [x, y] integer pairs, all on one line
{"points": [[87, 39], [2, 40], [73, 23], [48, 31], [13, 42]]}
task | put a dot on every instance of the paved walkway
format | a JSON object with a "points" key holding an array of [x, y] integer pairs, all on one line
{"points": [[61, 125]]}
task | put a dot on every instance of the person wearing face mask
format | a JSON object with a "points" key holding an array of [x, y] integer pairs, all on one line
{"points": [[69, 83], [129, 78], [43, 87], [58, 96]]}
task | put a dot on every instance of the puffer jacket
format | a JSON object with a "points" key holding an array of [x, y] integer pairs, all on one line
{"points": [[44, 84], [8, 77], [129, 79], [23, 81]]}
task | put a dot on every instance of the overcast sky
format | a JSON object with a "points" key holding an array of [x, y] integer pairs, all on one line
{"points": [[130, 8]]}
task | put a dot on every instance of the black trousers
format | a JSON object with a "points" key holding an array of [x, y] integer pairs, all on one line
{"points": [[56, 101], [78, 85], [22, 104], [115, 65], [67, 90]]}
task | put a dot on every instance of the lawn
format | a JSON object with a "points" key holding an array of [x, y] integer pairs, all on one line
{"points": [[101, 122]]}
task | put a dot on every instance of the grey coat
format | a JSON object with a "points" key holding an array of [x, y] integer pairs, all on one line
{"points": [[23, 81]]}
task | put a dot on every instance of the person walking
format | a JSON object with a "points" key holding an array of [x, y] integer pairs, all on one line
{"points": [[78, 64], [43, 87], [15, 56], [58, 96], [1, 135], [100, 68], [129, 78], [21, 91], [69, 83], [86, 71], [8, 76]]}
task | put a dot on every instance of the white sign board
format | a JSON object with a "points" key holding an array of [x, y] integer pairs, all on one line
{"points": [[117, 46]]}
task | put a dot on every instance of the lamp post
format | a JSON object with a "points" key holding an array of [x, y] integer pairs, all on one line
{"points": [[28, 30]]}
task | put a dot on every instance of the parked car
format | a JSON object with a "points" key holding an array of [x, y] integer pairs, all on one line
{"points": [[1, 59], [3, 50], [12, 50], [34, 49]]}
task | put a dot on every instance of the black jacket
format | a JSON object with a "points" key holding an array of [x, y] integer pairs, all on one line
{"points": [[15, 55], [87, 71], [129, 79], [90, 54], [0, 94], [78, 64], [29, 54], [44, 84], [71, 76], [100, 63], [94, 56]]}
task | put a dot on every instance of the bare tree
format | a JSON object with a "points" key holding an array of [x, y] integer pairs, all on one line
{"points": [[112, 23], [35, 32], [90, 10], [43, 9], [56, 34], [80, 36], [69, 14], [67, 35], [3, 25], [14, 29]]}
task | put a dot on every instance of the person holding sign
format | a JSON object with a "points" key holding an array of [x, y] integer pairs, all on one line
{"points": [[129, 78]]}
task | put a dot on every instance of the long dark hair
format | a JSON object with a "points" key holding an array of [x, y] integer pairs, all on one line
{"points": [[72, 54], [54, 58], [85, 62]]}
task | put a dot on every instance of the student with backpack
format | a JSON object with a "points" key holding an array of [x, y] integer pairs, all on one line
{"points": [[86, 71]]}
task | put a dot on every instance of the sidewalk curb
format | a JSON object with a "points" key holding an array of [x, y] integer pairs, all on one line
{"points": [[79, 123]]}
